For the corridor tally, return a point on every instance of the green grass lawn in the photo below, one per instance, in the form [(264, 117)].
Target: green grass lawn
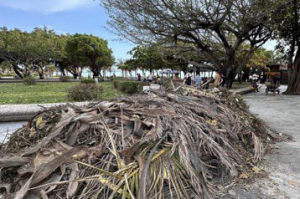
[(18, 93)]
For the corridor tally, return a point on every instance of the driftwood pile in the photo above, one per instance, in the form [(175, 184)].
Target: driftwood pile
[(143, 146)]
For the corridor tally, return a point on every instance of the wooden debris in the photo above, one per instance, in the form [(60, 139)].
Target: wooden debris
[(144, 146)]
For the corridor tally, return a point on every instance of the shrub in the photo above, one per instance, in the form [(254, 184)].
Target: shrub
[(87, 81), (64, 78), (116, 84), (29, 81), (129, 87), (85, 92)]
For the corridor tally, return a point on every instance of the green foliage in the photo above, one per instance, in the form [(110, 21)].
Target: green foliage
[(13, 44), (33, 50), (116, 81), (45, 44), (87, 81), (146, 57), (85, 92), (5, 65), (89, 50), (128, 86), (64, 78), (29, 81), (261, 58)]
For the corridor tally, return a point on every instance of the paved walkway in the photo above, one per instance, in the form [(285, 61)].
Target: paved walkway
[(7, 128), (280, 112)]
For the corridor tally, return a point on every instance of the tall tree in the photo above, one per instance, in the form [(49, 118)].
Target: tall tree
[(45, 47), (14, 49), (212, 28), (287, 25), (88, 50), (147, 57)]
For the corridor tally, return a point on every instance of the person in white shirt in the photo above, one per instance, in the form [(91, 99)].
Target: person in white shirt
[(150, 78)]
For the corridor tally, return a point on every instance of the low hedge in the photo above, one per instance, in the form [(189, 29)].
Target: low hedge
[(29, 81), (128, 86), (87, 81), (85, 92), (64, 78)]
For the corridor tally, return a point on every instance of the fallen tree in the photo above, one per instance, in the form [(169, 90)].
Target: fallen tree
[(192, 145)]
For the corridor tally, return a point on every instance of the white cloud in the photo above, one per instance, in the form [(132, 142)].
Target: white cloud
[(45, 6)]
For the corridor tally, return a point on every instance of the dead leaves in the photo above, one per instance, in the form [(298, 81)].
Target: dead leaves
[(256, 169), (40, 123), (139, 146), (244, 176)]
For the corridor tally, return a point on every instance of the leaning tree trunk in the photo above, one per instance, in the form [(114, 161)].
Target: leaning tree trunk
[(294, 82), (40, 71), (17, 70), (75, 75), (41, 75)]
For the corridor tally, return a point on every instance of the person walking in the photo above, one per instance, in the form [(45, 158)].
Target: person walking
[(198, 80), (188, 80), (218, 80), (150, 78)]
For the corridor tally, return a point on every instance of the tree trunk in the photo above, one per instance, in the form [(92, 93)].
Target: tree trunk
[(229, 74), (41, 75), (40, 71), (96, 73), (62, 70), (294, 82), (75, 75), (230, 79), (230, 70), (17, 70)]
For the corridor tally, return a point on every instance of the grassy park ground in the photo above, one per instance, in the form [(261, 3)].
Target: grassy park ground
[(18, 93)]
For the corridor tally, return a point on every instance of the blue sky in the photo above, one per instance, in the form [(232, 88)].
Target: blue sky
[(66, 16)]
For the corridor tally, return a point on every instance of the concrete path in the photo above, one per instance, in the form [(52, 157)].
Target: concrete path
[(241, 91), (280, 112), (7, 128)]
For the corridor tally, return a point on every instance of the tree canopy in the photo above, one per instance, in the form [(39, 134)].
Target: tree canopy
[(35, 51), (213, 30), (88, 50)]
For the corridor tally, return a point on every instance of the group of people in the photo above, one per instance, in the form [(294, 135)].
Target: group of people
[(189, 80), (196, 80), (149, 78)]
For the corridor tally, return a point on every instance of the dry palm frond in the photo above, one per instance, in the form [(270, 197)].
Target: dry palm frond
[(143, 146)]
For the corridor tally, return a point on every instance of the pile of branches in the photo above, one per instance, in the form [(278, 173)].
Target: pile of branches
[(143, 146)]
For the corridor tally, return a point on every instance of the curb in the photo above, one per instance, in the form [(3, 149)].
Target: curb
[(242, 91), (24, 112)]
